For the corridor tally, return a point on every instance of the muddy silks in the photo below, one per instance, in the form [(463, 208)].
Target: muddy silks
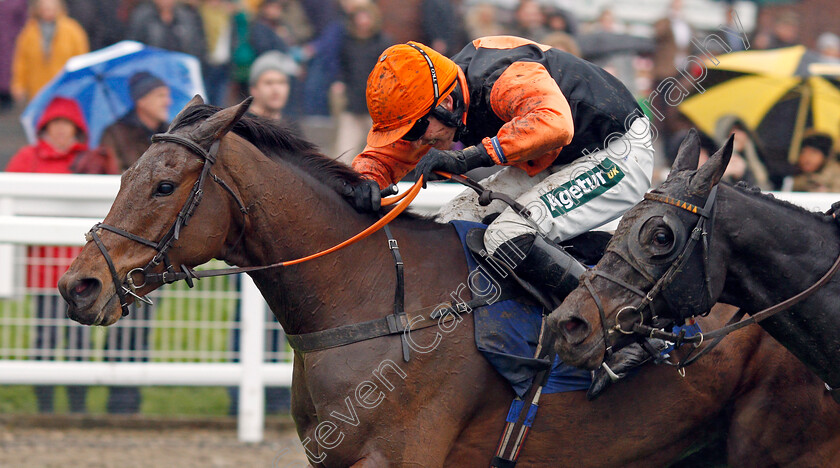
[(527, 103)]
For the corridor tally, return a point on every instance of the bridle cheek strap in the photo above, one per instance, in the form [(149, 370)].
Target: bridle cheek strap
[(646, 308), (128, 286)]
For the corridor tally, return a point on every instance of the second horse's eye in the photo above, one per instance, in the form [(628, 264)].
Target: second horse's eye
[(662, 238), (165, 188)]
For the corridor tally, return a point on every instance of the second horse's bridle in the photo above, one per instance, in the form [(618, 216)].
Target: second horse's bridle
[(646, 326), (646, 308)]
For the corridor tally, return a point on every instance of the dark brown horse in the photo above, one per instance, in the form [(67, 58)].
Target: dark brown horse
[(752, 251), (361, 404)]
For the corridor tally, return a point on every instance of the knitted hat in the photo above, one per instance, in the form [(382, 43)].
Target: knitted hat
[(819, 141), (142, 83), (272, 60)]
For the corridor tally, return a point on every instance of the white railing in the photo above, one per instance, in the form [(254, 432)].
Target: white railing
[(38, 209)]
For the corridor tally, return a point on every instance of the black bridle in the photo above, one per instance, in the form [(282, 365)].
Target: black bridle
[(650, 324), (128, 286), (646, 309)]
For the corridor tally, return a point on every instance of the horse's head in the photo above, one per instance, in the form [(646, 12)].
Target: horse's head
[(145, 235), (657, 266)]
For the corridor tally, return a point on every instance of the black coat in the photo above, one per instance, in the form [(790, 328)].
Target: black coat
[(356, 59)]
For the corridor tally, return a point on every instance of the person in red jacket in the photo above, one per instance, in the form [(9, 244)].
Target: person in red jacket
[(575, 145), (62, 136)]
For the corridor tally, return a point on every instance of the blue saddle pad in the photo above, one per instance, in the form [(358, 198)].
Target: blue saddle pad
[(507, 332)]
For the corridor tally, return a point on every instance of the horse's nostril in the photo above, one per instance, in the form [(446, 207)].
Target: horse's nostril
[(574, 330), (572, 324), (84, 292)]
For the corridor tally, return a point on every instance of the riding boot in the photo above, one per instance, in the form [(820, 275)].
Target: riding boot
[(546, 270)]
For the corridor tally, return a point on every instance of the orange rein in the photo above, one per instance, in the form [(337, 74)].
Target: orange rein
[(404, 200)]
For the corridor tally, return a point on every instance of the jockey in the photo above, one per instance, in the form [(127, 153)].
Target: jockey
[(575, 146)]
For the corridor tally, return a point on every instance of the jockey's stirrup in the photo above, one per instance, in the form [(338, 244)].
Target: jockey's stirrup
[(544, 265)]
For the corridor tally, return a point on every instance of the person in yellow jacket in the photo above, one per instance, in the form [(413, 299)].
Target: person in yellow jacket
[(47, 41)]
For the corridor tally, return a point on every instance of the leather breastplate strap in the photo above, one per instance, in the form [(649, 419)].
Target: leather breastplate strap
[(399, 291), (389, 325)]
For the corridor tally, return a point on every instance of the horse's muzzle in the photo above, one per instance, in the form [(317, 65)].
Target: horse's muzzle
[(571, 328), (81, 294)]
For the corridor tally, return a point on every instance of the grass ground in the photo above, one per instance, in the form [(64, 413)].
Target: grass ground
[(158, 401)]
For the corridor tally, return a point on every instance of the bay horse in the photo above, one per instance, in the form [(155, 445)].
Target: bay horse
[(272, 196)]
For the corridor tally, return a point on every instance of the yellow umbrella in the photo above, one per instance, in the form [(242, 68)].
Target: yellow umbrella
[(752, 85)]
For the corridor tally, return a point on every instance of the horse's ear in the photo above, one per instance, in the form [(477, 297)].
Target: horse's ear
[(195, 101), (710, 173), (689, 153), (218, 124)]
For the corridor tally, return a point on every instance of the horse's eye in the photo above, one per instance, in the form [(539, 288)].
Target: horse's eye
[(165, 188), (663, 238)]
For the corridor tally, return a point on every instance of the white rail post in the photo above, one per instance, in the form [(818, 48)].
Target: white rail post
[(7, 256), (251, 345)]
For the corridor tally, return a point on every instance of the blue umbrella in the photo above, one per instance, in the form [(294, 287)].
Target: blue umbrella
[(99, 82)]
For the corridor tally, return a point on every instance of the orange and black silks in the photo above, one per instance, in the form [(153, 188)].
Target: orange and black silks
[(527, 103)]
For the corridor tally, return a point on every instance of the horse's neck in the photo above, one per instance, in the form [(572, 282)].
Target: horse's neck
[(291, 215), (774, 252)]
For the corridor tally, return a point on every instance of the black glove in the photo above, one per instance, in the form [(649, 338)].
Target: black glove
[(620, 363), (455, 162), (365, 197)]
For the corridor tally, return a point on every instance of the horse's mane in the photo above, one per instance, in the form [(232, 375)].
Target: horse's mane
[(756, 192), (279, 142)]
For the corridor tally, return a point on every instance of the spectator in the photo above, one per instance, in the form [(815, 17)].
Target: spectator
[(732, 24), (360, 50), (242, 53), (47, 41), (828, 45), (607, 23), (562, 41), (168, 24), (321, 55), (269, 81), (129, 137), (62, 133), (745, 163), (99, 20), (560, 20), (217, 17), (672, 37), (530, 21), (12, 19), (819, 170), (442, 26), (269, 31), (482, 19), (265, 30), (785, 31)]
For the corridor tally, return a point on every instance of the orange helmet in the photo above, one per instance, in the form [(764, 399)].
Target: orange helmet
[(407, 82)]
